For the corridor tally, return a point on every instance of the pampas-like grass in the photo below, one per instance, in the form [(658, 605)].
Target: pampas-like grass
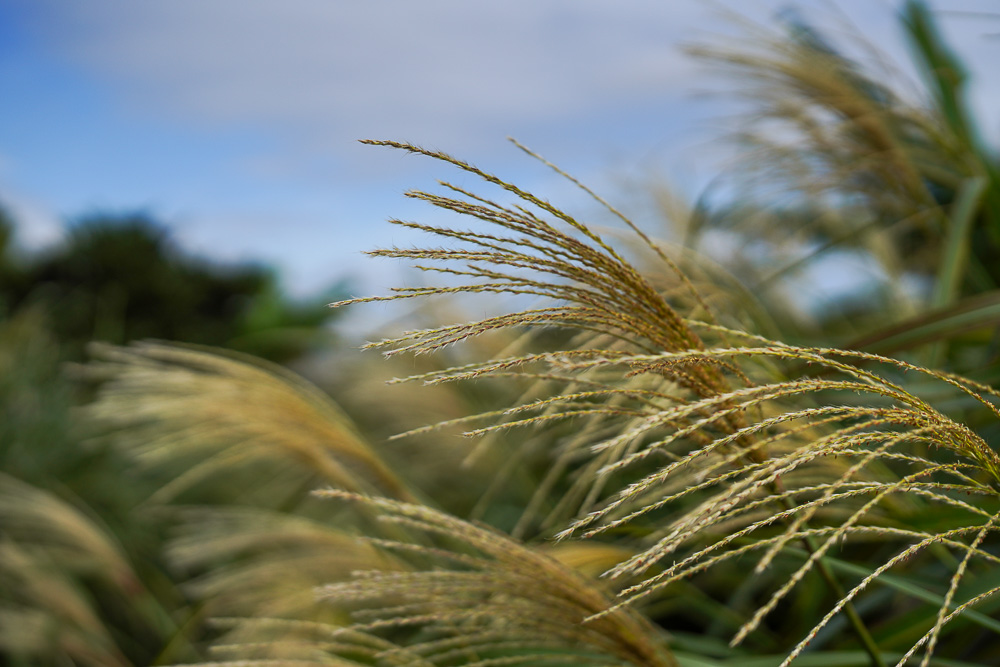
[(215, 412), (679, 446), (767, 445), (483, 599), (47, 550)]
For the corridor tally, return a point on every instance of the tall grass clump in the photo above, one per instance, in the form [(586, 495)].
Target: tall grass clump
[(703, 446), (699, 493), (710, 496)]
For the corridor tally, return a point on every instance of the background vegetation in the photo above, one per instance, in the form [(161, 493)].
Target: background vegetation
[(758, 476)]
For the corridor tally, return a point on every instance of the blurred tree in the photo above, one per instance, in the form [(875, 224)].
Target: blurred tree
[(9, 273), (118, 278)]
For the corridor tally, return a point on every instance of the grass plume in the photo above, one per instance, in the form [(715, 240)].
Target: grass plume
[(767, 445), (214, 411)]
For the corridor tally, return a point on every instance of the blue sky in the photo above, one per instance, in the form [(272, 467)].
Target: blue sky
[(234, 121)]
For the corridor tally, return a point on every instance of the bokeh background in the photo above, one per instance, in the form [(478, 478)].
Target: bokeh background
[(234, 123), (189, 171)]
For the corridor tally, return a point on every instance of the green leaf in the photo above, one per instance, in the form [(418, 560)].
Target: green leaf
[(904, 585), (942, 324)]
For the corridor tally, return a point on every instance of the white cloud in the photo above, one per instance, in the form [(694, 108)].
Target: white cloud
[(36, 226), (320, 73), (328, 72), (573, 78)]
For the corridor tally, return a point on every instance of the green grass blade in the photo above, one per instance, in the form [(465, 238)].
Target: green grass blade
[(902, 585), (956, 249), (834, 659), (941, 324)]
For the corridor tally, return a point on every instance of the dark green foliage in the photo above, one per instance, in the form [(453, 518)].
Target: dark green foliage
[(121, 278)]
